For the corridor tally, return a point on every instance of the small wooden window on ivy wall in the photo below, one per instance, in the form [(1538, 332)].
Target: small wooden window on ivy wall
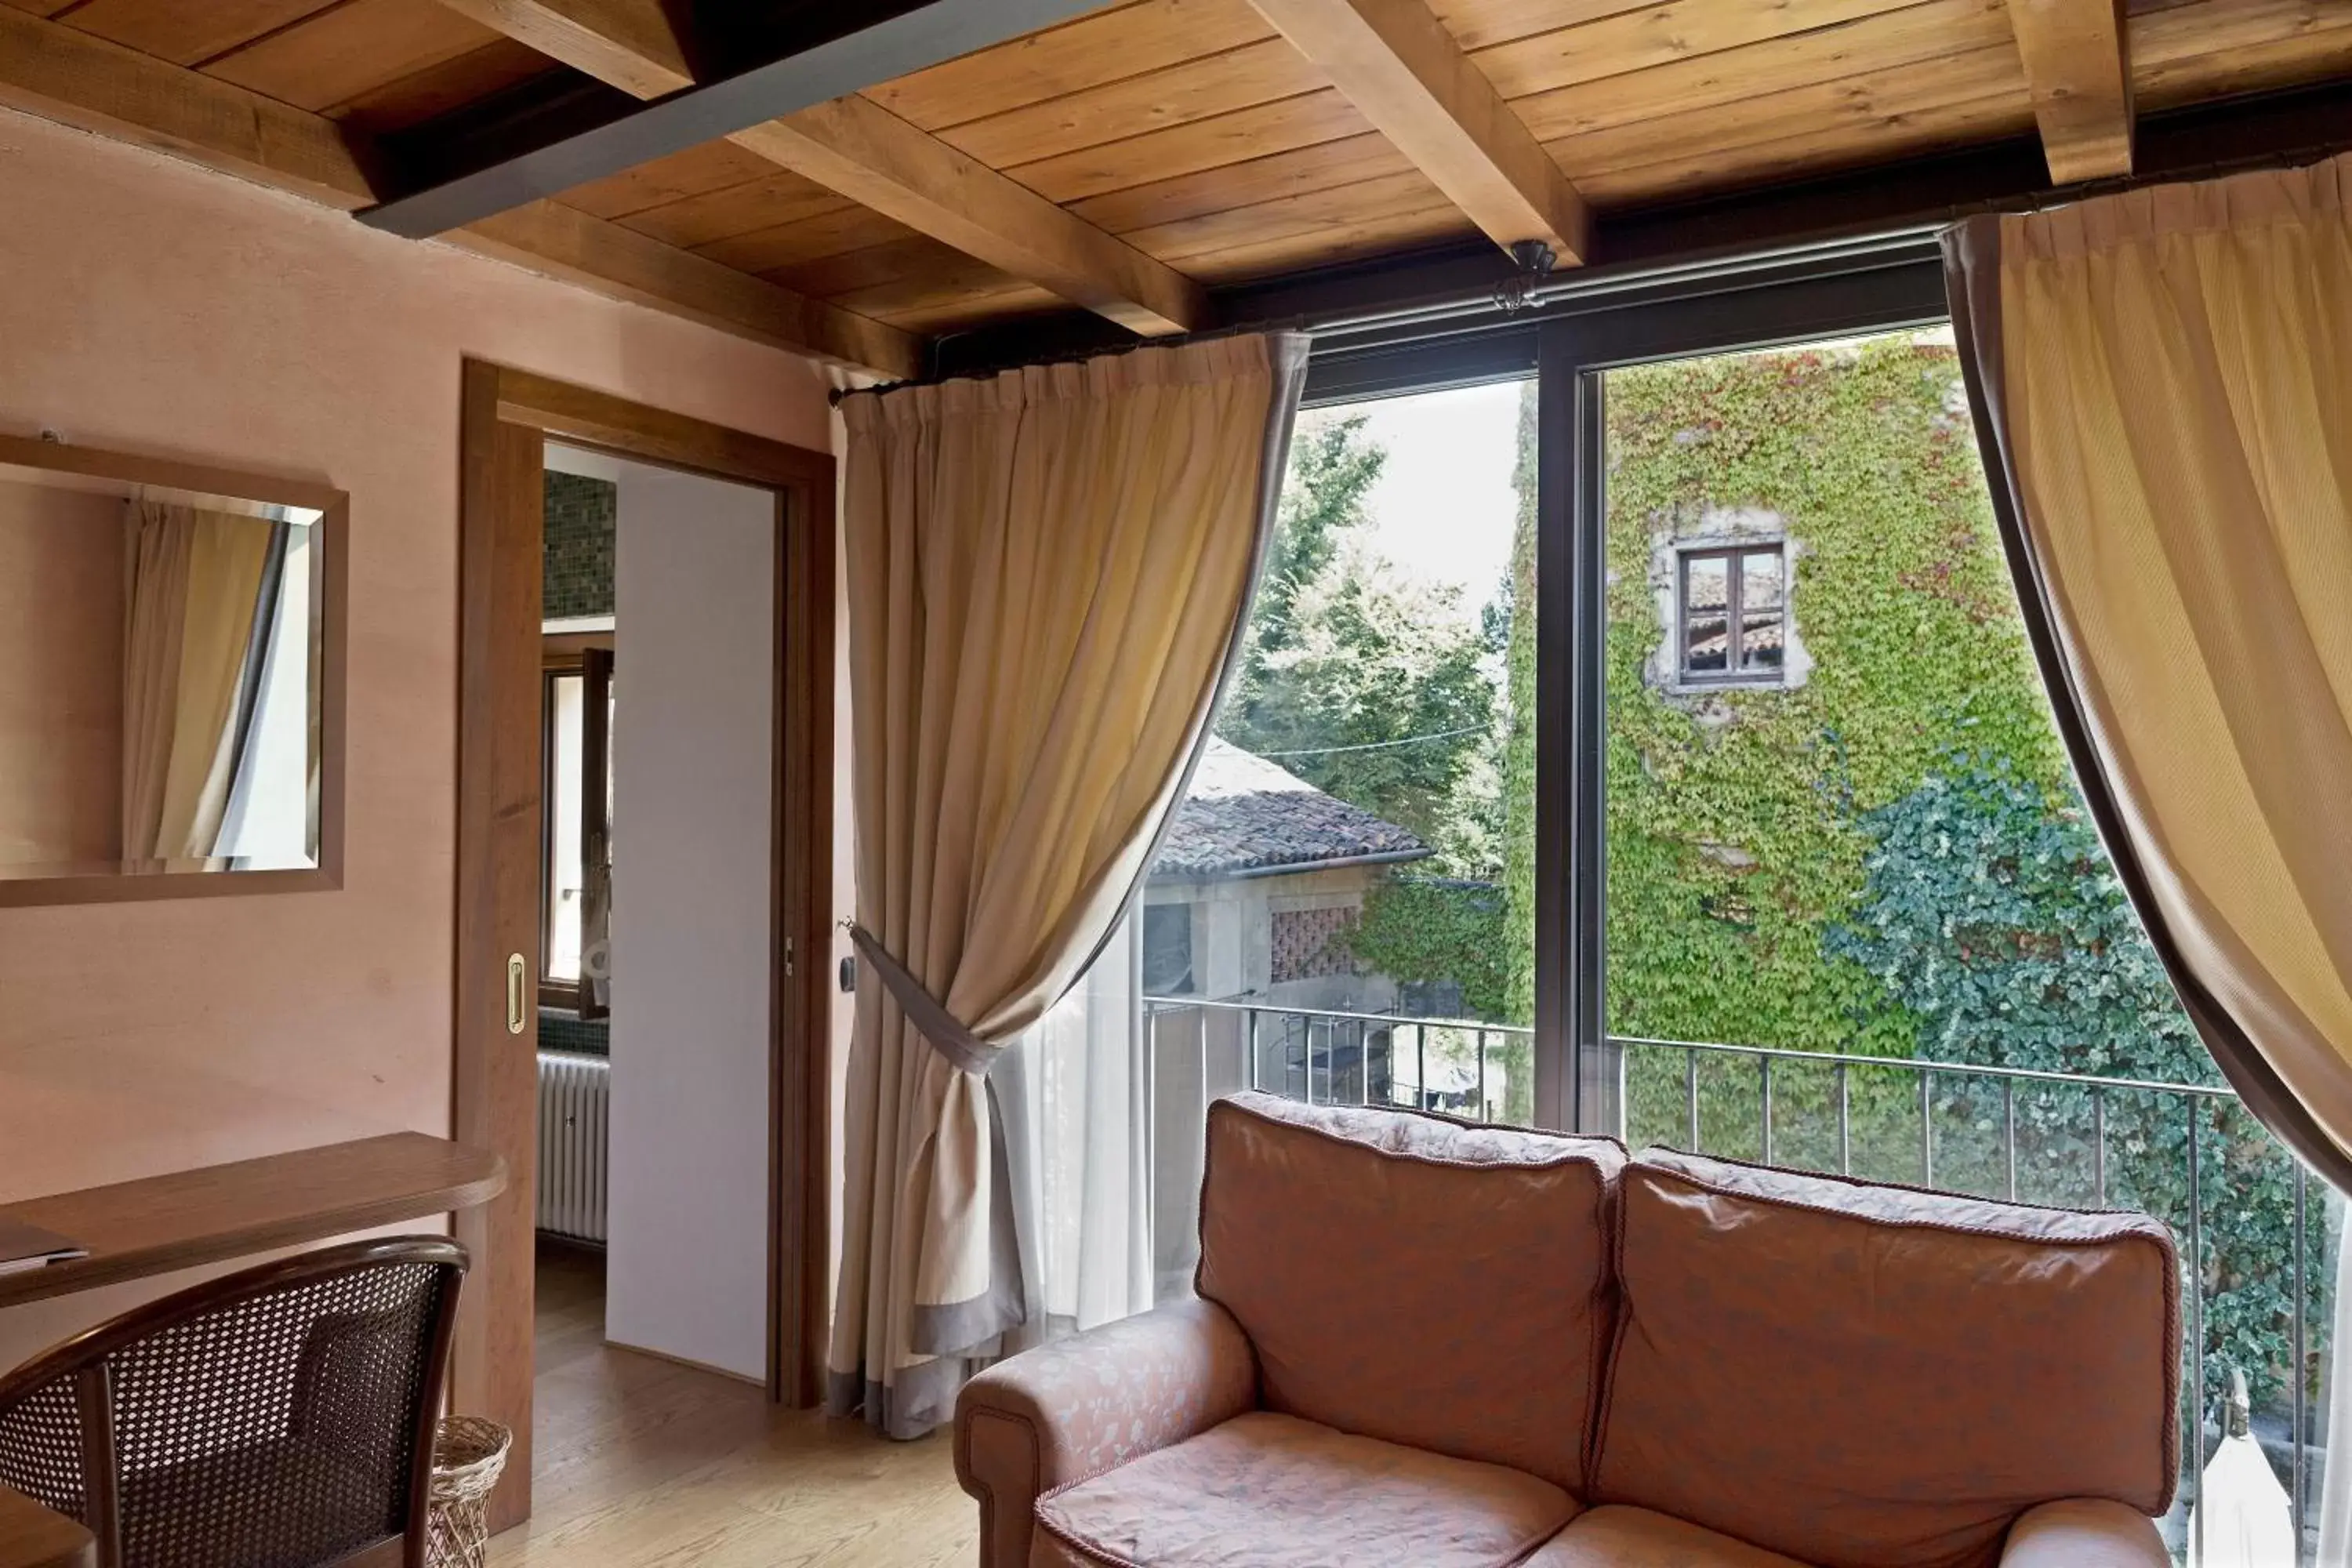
[(1733, 620)]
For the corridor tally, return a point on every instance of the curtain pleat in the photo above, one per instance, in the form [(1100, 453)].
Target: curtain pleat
[(2163, 383), (196, 604), (1047, 573)]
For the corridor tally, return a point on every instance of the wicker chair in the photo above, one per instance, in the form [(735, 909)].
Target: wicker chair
[(277, 1417)]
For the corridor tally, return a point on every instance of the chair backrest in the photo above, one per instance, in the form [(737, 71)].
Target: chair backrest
[(1408, 1277), (283, 1415), (1859, 1375)]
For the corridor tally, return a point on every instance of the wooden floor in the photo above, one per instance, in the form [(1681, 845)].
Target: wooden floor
[(643, 1462)]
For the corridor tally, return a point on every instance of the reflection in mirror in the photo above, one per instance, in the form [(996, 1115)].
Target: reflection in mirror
[(160, 692)]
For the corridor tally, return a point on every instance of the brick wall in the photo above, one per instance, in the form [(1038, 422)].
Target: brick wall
[(579, 571), (1302, 948)]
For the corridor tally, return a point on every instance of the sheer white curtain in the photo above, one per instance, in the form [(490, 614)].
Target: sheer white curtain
[(1076, 1100)]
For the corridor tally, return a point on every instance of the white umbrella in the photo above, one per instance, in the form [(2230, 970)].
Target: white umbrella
[(2243, 1518)]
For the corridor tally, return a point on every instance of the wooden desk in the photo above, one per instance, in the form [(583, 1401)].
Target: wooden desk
[(218, 1212), (33, 1537)]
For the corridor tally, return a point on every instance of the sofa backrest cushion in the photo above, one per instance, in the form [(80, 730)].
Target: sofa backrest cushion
[(1866, 1376), (1415, 1278)]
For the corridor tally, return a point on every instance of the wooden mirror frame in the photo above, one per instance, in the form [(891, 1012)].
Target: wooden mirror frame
[(333, 507)]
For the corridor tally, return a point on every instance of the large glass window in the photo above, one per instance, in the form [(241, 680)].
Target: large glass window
[(1857, 918)]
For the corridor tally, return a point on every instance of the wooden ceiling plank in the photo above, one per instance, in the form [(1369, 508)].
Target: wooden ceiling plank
[(1300, 172), (2315, 56), (1112, 45), (436, 89), (1482, 24), (862, 150), (1931, 30), (341, 54), (1132, 105), (1846, 112), (1196, 148), (188, 35), (1654, 35), (2079, 65), (1924, 129), (51, 70), (1288, 215), (777, 197), (697, 170), (1397, 63), (768, 251)]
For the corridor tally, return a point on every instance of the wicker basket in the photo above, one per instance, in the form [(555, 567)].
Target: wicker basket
[(469, 1454)]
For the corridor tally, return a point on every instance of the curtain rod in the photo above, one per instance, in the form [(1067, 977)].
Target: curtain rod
[(1174, 341)]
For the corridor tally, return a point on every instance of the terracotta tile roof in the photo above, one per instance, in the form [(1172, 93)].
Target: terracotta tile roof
[(1245, 814)]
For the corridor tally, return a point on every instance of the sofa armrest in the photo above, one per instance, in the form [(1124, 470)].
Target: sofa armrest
[(1079, 1406), (2084, 1532)]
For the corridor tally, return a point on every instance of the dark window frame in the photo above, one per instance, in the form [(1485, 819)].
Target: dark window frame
[(1726, 304), (1736, 673)]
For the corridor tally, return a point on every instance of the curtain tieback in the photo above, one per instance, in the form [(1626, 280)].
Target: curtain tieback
[(961, 1048)]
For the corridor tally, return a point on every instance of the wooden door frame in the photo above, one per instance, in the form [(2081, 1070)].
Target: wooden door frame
[(508, 417)]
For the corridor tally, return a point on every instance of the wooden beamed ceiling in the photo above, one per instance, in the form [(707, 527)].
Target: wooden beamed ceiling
[(860, 150), (1136, 158), (66, 74)]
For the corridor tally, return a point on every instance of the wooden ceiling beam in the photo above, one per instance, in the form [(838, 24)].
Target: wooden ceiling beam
[(858, 149), (2077, 57), (1395, 61), (56, 73)]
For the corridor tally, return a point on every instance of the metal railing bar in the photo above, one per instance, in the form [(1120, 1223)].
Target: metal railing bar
[(1845, 1122), (2196, 1337), (1927, 1132), (2099, 1145), (1764, 1105), (2298, 1370), (1252, 1025), (1690, 1091), (1482, 1075), (2008, 1132), (1922, 1065)]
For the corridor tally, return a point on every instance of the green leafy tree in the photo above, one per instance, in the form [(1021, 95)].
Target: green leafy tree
[(1362, 680)]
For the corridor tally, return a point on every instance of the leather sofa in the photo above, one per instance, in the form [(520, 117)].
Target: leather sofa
[(1427, 1344)]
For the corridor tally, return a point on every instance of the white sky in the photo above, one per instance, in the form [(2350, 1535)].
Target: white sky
[(1443, 507)]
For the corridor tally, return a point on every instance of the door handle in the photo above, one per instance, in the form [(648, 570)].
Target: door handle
[(515, 994)]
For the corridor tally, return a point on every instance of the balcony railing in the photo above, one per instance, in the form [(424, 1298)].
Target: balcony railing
[(2178, 1151)]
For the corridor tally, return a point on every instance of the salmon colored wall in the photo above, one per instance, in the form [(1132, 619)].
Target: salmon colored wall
[(60, 675), (155, 308)]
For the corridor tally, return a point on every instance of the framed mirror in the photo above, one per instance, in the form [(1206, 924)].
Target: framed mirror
[(171, 678)]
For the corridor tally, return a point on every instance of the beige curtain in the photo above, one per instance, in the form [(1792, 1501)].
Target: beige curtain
[(2163, 390), (192, 615), (1047, 572)]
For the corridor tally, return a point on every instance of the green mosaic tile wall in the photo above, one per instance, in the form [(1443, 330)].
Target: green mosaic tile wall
[(579, 570)]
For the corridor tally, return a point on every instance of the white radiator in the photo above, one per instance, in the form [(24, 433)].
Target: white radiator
[(575, 1100)]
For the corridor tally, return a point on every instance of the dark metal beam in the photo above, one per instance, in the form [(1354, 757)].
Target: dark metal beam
[(1433, 292), (454, 171)]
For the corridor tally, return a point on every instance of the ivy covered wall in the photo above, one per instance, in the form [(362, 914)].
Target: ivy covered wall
[(1733, 838)]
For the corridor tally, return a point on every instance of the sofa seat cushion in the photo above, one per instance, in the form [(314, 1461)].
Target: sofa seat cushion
[(1416, 1279), (1264, 1490), (1619, 1537)]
